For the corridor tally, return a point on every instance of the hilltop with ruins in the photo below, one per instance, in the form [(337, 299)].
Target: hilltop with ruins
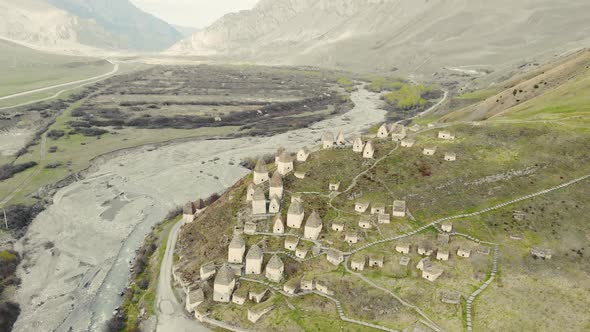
[(372, 231)]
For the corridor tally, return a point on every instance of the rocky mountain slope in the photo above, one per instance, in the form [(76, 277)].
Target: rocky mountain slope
[(415, 36), (77, 25)]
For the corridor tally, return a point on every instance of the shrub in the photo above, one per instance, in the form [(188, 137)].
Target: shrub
[(408, 97), (20, 216), (8, 314), (53, 165), (55, 134), (7, 171)]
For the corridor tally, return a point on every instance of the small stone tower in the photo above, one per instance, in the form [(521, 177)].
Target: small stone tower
[(260, 173), (313, 226), (276, 185), (254, 260), (275, 269), (236, 250), (224, 284), (295, 214)]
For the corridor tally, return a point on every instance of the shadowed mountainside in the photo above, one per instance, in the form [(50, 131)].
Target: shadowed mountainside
[(413, 36)]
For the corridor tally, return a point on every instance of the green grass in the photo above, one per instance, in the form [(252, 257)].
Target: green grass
[(23, 69), (7, 256), (146, 299), (569, 104), (478, 95)]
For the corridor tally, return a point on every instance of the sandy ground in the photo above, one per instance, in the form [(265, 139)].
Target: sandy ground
[(11, 140), (95, 225)]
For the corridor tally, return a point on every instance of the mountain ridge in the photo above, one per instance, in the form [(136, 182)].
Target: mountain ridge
[(84, 25), (420, 36)]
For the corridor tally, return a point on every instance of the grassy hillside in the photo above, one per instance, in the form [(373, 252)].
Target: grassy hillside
[(496, 162), (558, 89), (23, 69)]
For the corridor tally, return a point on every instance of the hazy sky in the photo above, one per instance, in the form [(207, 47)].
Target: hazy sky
[(195, 13)]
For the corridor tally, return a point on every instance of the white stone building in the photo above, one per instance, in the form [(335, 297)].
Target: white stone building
[(464, 252), (260, 173), (358, 263), (368, 151), (224, 284), (447, 226), (295, 214), (193, 299), (328, 140), (250, 228), (207, 271), (424, 263), (376, 261), (425, 249), (250, 192), (429, 151), (351, 237), (402, 248), (236, 250), (188, 212), (254, 260), (383, 132), (276, 185), (278, 226), (398, 132), (291, 243), (335, 257), (408, 143), (384, 218), (361, 207), (303, 154), (399, 208), (338, 226), (365, 222), (280, 151), (275, 205), (292, 286), (432, 273), (358, 145), (285, 163), (259, 202), (340, 140), (334, 186), (377, 208), (275, 269), (442, 255), (307, 283), (446, 135), (313, 226), (450, 156), (301, 252)]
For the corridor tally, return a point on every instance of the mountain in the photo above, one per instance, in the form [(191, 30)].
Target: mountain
[(412, 35), (80, 24), (185, 31)]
